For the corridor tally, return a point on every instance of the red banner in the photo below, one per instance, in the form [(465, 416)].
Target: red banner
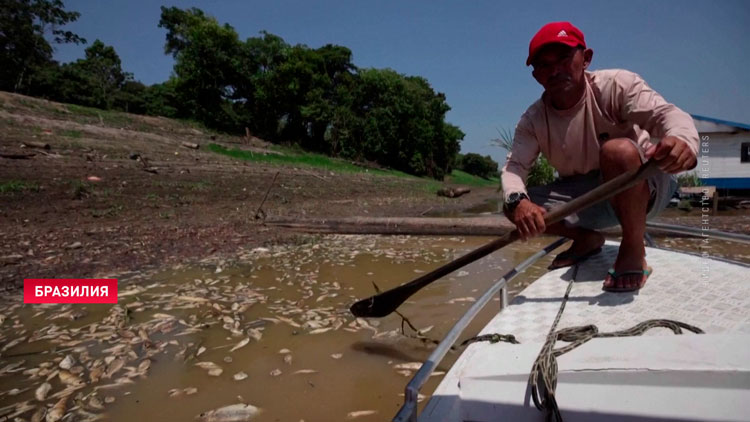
[(70, 290)]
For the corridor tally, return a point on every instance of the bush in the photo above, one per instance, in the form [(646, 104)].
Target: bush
[(482, 166), (541, 174)]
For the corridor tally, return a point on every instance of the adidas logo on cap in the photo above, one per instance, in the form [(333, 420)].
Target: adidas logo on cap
[(562, 34)]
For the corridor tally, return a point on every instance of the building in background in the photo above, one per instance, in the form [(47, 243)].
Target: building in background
[(724, 155)]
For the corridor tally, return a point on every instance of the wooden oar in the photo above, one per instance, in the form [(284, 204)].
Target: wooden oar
[(384, 303)]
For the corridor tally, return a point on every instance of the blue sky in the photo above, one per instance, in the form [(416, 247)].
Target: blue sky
[(695, 53)]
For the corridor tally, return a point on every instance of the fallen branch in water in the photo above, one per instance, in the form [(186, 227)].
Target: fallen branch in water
[(475, 226)]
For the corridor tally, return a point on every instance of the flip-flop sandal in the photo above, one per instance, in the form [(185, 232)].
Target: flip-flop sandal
[(615, 275), (570, 255)]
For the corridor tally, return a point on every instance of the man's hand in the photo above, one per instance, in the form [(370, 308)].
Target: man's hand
[(672, 155), (529, 219)]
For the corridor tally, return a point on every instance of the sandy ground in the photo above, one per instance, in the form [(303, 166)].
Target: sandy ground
[(198, 203)]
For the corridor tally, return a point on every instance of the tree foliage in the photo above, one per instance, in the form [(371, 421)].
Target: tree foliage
[(478, 165), (24, 50), (314, 98)]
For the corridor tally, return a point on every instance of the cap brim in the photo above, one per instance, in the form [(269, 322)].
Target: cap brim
[(569, 43)]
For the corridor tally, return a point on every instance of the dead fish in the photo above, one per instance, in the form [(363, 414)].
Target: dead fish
[(192, 299), (113, 367), (200, 351), (70, 379), (96, 373), (337, 355), (214, 370), (305, 371), (360, 413), (175, 392), (95, 403), (232, 413), (239, 345), (38, 415), (12, 343), (42, 390), (254, 333), (58, 410), (289, 321), (413, 366), (239, 376), (284, 351), (109, 400), (461, 299), (124, 380), (275, 372), (320, 330), (144, 365), (190, 390), (16, 391), (288, 359)]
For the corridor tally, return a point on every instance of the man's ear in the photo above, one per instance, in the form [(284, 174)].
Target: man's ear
[(588, 54)]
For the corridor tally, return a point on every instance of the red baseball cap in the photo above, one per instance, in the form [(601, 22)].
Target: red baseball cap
[(555, 32)]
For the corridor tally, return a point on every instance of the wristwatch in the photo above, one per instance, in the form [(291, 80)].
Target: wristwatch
[(514, 199)]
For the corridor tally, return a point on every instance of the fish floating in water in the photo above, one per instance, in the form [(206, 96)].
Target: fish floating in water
[(231, 413)]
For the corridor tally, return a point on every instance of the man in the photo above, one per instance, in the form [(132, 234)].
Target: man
[(592, 127)]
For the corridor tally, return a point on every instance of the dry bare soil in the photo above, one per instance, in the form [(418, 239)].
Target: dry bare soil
[(84, 208)]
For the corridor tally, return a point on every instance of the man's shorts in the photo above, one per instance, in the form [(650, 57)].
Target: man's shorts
[(601, 215)]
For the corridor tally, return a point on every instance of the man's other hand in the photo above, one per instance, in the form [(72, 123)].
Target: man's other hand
[(529, 219), (672, 155)]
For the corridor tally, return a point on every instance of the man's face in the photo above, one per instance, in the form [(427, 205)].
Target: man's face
[(559, 68)]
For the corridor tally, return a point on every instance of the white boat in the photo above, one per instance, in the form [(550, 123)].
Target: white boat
[(657, 376)]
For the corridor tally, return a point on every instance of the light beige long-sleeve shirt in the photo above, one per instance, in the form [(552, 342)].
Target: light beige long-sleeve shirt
[(616, 104)]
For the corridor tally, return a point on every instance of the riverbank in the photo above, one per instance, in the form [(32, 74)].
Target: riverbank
[(117, 192)]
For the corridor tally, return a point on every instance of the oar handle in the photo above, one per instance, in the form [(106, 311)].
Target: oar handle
[(386, 302)]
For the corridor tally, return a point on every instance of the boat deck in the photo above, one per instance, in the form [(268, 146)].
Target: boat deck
[(710, 294)]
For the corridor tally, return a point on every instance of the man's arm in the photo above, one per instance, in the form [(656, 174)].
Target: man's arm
[(678, 149), (520, 159), (527, 216)]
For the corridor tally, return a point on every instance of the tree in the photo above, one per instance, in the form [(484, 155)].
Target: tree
[(207, 56), (24, 51), (313, 98), (103, 71), (482, 166)]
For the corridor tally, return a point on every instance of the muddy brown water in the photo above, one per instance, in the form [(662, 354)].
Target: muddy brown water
[(284, 309), (295, 298)]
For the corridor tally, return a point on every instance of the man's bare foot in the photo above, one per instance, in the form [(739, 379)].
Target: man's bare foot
[(588, 244), (629, 267)]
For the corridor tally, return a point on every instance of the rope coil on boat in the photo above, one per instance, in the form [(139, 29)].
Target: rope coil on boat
[(543, 376)]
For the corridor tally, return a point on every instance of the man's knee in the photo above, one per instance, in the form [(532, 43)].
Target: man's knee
[(619, 151)]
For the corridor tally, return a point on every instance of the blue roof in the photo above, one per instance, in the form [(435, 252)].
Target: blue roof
[(721, 122)]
